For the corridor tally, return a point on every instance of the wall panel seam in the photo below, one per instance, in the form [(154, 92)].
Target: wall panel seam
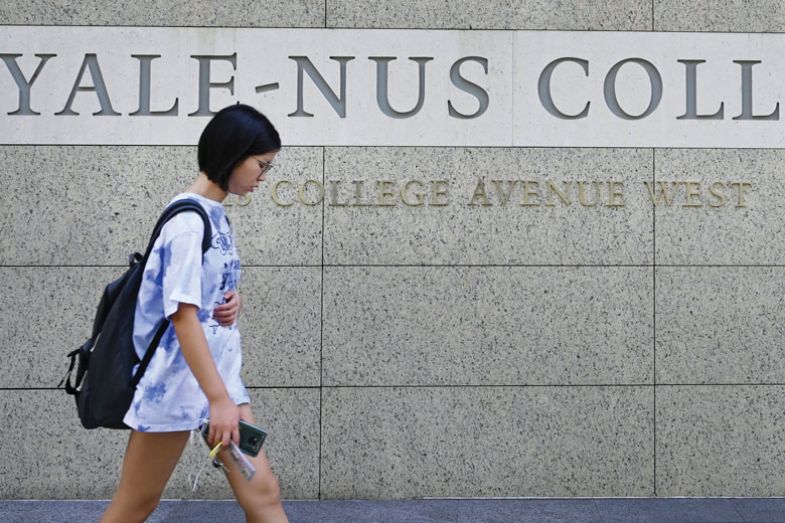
[(444, 266), (652, 28), (315, 146), (654, 309), (548, 385), (462, 386), (321, 322)]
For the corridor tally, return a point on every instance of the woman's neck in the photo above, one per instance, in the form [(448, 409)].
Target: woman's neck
[(207, 188)]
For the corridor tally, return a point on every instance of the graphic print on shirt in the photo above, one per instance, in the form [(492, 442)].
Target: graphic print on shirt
[(229, 282), (223, 241), (231, 275)]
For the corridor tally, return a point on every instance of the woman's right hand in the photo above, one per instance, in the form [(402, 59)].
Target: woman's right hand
[(224, 422)]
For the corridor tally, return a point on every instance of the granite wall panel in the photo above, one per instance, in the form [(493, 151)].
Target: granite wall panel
[(746, 16), (587, 15), (50, 455), (729, 214), (720, 325), (430, 350), (85, 205), (487, 325), (48, 311), (281, 325), (715, 441), (231, 13), (487, 206), (487, 441)]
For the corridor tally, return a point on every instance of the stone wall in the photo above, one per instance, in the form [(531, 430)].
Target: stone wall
[(394, 354)]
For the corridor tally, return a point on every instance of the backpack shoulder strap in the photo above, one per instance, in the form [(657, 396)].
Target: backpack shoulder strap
[(177, 207)]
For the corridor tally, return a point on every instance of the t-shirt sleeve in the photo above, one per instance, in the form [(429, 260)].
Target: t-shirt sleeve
[(182, 261)]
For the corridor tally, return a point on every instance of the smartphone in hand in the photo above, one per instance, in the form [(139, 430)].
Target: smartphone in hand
[(251, 437)]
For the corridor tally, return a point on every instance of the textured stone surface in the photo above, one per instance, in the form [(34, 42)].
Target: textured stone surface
[(728, 234), (747, 16), (267, 234), (720, 324), (497, 233), (487, 441), (441, 326), (65, 205), (720, 441), (46, 313), (238, 13), (49, 454), (279, 322), (614, 15), (487, 326)]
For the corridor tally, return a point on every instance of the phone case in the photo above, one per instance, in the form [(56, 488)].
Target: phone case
[(251, 437)]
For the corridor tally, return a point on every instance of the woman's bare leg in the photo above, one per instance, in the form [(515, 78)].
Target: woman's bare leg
[(260, 498), (149, 461)]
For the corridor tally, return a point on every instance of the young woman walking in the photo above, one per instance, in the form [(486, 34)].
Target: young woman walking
[(195, 371)]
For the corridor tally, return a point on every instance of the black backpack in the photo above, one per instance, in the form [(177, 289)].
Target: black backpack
[(107, 358)]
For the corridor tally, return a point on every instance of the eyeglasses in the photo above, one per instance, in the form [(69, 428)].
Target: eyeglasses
[(265, 166)]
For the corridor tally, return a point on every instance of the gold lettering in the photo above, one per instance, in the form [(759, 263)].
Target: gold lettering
[(741, 186), (582, 194), (534, 193), (479, 193), (358, 193), (438, 190), (504, 196), (385, 190), (530, 188), (304, 186), (692, 190), (334, 195), (244, 200), (714, 192), (419, 195), (664, 193), (562, 195), (274, 193), (613, 194)]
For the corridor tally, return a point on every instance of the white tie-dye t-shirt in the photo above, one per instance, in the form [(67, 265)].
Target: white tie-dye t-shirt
[(168, 397)]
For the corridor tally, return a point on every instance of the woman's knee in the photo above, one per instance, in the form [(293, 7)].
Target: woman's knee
[(269, 488), (264, 494)]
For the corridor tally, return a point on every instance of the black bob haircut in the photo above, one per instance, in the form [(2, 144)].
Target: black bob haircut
[(232, 135)]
